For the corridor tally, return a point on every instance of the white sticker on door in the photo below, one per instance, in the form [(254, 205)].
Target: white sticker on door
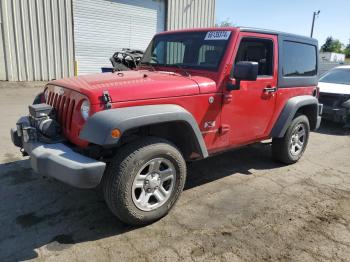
[(217, 35)]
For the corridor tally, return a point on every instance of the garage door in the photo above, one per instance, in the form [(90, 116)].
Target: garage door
[(102, 27)]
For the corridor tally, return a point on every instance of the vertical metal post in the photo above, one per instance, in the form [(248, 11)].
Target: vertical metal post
[(313, 22)]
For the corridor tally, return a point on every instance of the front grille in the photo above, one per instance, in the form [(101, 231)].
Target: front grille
[(64, 107), (332, 100)]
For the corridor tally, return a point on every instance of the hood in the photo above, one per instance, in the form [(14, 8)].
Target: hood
[(334, 88), (135, 85)]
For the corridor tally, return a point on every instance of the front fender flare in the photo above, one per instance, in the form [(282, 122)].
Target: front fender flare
[(98, 127)]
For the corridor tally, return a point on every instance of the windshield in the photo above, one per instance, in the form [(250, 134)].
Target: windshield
[(197, 50), (337, 76)]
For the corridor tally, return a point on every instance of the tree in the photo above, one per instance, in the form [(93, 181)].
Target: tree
[(332, 45), (226, 23), (347, 51)]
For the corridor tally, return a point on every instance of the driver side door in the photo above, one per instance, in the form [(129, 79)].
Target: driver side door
[(247, 112)]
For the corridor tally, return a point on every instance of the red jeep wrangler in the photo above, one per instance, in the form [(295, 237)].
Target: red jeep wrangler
[(196, 93)]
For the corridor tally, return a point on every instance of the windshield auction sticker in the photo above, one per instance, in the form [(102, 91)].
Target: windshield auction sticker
[(217, 35)]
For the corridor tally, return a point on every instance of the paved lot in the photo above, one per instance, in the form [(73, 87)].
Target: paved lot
[(238, 206)]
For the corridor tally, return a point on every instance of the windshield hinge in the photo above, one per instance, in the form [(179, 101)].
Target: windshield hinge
[(106, 99)]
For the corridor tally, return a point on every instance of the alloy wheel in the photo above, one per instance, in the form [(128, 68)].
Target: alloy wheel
[(153, 184), (297, 141)]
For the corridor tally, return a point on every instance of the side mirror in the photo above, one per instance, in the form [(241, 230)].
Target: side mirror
[(244, 70)]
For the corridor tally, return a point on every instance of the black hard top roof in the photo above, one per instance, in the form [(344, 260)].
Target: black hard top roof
[(272, 32)]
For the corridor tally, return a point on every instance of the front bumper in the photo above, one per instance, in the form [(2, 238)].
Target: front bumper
[(61, 162), (335, 114)]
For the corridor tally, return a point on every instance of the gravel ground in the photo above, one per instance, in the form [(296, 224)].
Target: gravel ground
[(237, 206)]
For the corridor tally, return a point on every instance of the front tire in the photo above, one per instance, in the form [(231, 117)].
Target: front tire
[(290, 148), (144, 181)]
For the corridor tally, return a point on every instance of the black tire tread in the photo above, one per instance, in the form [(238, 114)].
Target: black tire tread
[(115, 176), (280, 146)]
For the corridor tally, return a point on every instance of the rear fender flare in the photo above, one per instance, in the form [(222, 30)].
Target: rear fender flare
[(289, 111)]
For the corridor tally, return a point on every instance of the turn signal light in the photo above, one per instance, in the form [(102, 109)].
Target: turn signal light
[(116, 133)]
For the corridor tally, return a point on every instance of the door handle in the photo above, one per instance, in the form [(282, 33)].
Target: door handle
[(270, 89)]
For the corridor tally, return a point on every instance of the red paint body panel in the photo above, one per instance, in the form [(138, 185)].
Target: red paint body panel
[(201, 110), (249, 113), (131, 85), (239, 117)]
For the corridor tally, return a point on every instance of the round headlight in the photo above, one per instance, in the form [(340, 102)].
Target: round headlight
[(85, 109)]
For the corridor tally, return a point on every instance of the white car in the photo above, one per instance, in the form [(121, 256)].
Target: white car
[(335, 95)]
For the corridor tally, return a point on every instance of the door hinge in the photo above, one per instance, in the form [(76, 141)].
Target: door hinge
[(106, 99), (227, 98), (224, 129)]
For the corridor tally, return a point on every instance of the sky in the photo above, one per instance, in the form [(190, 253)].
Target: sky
[(292, 16)]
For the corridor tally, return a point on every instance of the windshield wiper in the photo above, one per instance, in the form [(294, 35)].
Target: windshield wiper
[(182, 69)]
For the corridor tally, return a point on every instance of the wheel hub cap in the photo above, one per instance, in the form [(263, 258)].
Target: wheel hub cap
[(295, 139), (152, 182)]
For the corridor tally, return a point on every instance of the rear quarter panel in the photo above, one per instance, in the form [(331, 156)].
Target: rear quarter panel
[(283, 95)]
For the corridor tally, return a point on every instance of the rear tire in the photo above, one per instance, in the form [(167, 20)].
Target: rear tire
[(290, 148), (144, 181)]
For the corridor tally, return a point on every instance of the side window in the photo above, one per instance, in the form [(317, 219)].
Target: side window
[(257, 50), (299, 59)]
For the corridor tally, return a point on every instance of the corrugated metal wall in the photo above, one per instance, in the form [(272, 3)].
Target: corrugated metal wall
[(183, 14), (2, 52), (102, 27), (37, 38)]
